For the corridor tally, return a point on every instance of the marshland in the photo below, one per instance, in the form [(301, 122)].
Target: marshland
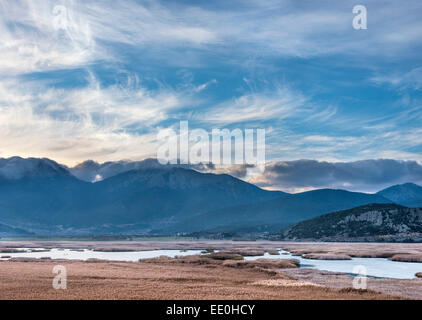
[(210, 270)]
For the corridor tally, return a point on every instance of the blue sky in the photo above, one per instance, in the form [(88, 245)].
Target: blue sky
[(97, 80)]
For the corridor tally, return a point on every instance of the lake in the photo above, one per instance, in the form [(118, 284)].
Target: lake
[(375, 267), (86, 254)]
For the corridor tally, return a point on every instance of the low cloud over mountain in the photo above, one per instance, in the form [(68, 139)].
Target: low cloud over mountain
[(364, 175), (92, 171), (291, 176), (41, 196)]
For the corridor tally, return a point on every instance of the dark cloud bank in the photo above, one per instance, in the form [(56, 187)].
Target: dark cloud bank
[(363, 175), (290, 176)]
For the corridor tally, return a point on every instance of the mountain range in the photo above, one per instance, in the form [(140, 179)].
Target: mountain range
[(42, 197)]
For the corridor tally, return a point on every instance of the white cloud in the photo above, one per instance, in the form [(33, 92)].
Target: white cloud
[(256, 106), (365, 175), (49, 35), (205, 85), (106, 122), (91, 122), (411, 79), (33, 38)]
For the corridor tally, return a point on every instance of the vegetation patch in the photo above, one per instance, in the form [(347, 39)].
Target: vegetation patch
[(263, 263), (208, 250), (317, 256), (11, 250), (223, 255), (285, 283), (407, 257), (115, 249), (248, 252)]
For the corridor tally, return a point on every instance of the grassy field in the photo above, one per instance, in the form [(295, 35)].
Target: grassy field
[(222, 275), (160, 279)]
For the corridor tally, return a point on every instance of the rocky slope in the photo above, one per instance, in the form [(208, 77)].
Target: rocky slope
[(370, 221)]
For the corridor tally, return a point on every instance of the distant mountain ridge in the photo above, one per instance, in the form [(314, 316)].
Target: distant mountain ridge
[(408, 194), (43, 197), (374, 220), (16, 168), (170, 194), (92, 171), (284, 210)]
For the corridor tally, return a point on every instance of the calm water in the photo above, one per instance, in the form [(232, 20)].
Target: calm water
[(375, 267), (112, 256)]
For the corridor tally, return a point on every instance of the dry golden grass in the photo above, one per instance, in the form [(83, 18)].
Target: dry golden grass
[(285, 283), (118, 249), (248, 252), (405, 288), (407, 257), (197, 277), (267, 266), (262, 263), (10, 250), (213, 258), (156, 279), (326, 256), (375, 250), (362, 250), (225, 255)]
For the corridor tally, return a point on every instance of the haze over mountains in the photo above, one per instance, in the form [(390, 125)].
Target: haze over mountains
[(42, 197)]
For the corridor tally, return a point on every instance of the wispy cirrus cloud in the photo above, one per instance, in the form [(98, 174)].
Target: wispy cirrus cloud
[(90, 122), (256, 106), (411, 79), (44, 36), (50, 34), (307, 74)]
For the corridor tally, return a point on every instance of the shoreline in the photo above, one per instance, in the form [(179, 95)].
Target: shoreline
[(352, 249)]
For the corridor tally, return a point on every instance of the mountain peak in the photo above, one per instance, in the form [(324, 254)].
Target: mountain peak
[(16, 168), (408, 194), (410, 185), (87, 164), (92, 171)]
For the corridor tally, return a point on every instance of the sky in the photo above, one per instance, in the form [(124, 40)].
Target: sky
[(99, 79)]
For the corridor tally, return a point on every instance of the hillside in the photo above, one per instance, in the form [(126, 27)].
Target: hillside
[(282, 211), (162, 197), (374, 220), (42, 196), (408, 194)]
